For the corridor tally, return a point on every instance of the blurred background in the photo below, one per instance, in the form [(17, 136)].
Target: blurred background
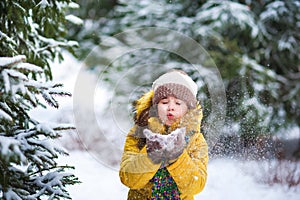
[(253, 48), (254, 45)]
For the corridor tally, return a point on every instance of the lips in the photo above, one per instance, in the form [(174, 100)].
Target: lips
[(170, 116)]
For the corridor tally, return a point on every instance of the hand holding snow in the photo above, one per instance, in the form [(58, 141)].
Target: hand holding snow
[(154, 146), (168, 147), (175, 144)]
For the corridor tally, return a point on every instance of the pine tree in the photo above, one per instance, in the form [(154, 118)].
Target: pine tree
[(31, 35)]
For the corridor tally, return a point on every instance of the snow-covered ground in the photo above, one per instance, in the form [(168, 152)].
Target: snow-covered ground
[(227, 178)]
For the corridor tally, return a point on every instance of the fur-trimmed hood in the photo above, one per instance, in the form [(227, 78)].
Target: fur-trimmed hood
[(142, 108)]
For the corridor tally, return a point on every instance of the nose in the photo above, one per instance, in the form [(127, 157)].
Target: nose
[(170, 106)]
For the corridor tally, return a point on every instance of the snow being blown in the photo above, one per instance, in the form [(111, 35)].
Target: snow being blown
[(167, 142)]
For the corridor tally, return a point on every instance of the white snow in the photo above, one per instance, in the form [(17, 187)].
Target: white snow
[(221, 11), (16, 74), (167, 142), (227, 180), (10, 194), (73, 5), (98, 181), (4, 115), (29, 67), (9, 145), (74, 19), (3, 35), (43, 3), (4, 61)]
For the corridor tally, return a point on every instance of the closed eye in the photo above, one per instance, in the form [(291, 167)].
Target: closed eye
[(178, 103), (164, 101)]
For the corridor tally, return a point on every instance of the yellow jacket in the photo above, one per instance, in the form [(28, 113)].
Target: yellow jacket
[(189, 171)]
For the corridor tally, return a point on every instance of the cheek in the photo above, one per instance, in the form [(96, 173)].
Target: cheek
[(162, 112), (181, 111), (161, 109)]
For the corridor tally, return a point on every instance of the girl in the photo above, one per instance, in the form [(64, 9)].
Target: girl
[(165, 155)]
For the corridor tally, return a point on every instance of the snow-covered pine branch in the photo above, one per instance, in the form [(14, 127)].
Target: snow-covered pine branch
[(9, 61), (33, 30), (14, 73), (27, 147), (220, 14)]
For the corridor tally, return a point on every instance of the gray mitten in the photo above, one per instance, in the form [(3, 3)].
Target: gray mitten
[(175, 144), (154, 146)]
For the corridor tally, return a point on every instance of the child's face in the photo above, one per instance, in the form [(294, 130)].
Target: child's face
[(170, 109)]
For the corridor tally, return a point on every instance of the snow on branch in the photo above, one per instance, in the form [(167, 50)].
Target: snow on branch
[(10, 149), (28, 150), (221, 13), (4, 115), (28, 67), (3, 35), (43, 3), (10, 61), (54, 43), (17, 82), (10, 194), (37, 145), (53, 183), (75, 20), (16, 74)]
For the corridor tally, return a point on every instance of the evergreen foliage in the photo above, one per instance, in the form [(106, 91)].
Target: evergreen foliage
[(32, 35), (36, 29)]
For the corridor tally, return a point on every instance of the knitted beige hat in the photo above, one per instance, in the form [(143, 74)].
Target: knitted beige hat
[(178, 84)]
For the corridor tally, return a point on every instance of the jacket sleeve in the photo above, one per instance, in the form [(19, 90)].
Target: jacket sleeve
[(136, 168), (190, 169)]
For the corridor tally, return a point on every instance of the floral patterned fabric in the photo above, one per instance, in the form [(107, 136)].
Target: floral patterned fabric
[(164, 186)]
